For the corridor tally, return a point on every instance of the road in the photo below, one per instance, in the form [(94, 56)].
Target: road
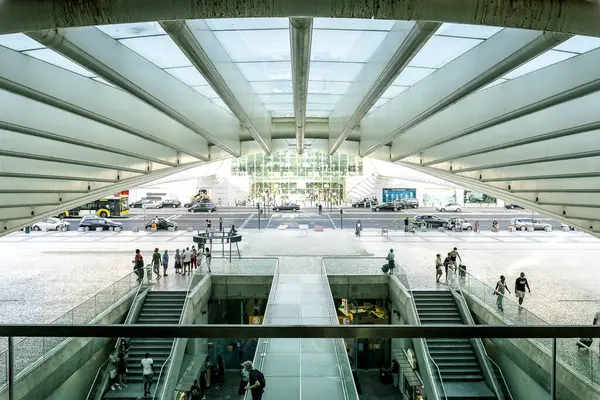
[(248, 218)]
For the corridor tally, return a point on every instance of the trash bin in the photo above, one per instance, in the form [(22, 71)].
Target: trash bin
[(27, 229)]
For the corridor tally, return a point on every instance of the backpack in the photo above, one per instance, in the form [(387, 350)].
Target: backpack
[(140, 263), (261, 379)]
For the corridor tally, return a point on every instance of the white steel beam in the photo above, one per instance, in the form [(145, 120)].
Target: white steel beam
[(55, 86), (475, 69), (300, 44), (32, 118), (512, 100), (206, 53), (400, 45), (123, 67), (20, 215), (579, 17), (583, 217)]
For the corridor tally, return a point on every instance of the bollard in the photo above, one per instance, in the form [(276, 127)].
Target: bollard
[(190, 229), (81, 229), (118, 229), (171, 229), (136, 229), (530, 229), (111, 228), (99, 229), (566, 229), (441, 229), (153, 229)]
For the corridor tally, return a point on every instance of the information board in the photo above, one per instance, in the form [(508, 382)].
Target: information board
[(393, 194)]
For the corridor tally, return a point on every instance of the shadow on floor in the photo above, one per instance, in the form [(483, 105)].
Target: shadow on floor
[(373, 389)]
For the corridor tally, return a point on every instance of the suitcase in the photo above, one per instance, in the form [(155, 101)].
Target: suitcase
[(385, 269), (584, 343)]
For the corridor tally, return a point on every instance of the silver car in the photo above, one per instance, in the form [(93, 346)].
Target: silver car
[(524, 223)]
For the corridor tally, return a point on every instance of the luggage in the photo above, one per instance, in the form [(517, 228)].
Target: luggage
[(462, 271), (385, 269), (584, 343)]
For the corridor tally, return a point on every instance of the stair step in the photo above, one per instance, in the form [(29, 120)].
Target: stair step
[(449, 346), (462, 378), (445, 364)]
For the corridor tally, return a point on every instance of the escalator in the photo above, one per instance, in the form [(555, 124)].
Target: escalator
[(461, 364), (159, 307)]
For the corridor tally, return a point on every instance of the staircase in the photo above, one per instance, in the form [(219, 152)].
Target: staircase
[(459, 369), (363, 188), (160, 307)]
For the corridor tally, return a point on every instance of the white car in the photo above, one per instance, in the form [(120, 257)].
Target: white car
[(459, 224), (449, 207), (51, 224), (153, 203)]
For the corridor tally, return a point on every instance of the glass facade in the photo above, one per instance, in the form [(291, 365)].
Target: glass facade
[(288, 176)]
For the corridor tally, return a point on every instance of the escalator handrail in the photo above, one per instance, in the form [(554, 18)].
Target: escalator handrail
[(181, 318), (418, 321), (127, 321)]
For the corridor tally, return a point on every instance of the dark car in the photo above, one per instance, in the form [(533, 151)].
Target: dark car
[(366, 202), (202, 207), (197, 201), (161, 224), (389, 206), (136, 204), (432, 220), (170, 203), (287, 207), (512, 206), (409, 203), (92, 222)]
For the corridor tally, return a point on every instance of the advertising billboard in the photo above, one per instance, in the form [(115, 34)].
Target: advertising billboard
[(393, 194)]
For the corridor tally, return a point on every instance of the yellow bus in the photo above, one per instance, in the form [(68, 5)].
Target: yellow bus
[(113, 206)]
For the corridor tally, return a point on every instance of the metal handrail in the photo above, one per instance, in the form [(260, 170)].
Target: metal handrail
[(502, 375), (181, 319), (426, 347), (127, 321)]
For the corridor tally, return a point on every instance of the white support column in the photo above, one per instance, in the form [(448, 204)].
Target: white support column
[(206, 53), (512, 100), (300, 43), (478, 67), (123, 67), (394, 53), (58, 87)]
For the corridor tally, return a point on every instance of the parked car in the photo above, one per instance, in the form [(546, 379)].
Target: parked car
[(150, 203), (92, 222), (570, 227), (136, 204), (431, 220), (170, 203), (51, 224), (161, 224), (192, 203), (512, 206), (524, 223), (202, 207), (409, 203), (449, 207), (366, 202), (458, 224), (287, 207), (389, 206)]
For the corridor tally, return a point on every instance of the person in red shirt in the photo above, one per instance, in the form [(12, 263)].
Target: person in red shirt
[(138, 264)]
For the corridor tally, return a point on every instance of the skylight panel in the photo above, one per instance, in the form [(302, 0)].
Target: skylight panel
[(142, 29), (19, 42), (266, 71), (468, 31), (272, 87), (52, 57), (259, 45), (236, 24), (207, 91), (282, 114), (579, 44), (276, 98), (159, 50), (548, 58), (393, 91), (440, 50), (345, 46), (323, 98), (411, 76), (325, 87), (188, 75), (329, 71)]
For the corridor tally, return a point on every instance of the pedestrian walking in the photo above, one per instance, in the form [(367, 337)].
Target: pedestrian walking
[(165, 262), (499, 292), (206, 226), (406, 224), (209, 222), (208, 257), (520, 285), (320, 209), (124, 349), (438, 267), (220, 371), (447, 264), (147, 373), (391, 262), (245, 378), (122, 369), (194, 258), (453, 255), (187, 260), (195, 391), (256, 383), (358, 228), (156, 260), (178, 260), (112, 372), (138, 265)]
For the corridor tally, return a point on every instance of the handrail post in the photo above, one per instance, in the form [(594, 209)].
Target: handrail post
[(11, 368), (553, 372)]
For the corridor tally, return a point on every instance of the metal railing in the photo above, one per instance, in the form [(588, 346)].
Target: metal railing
[(29, 352), (569, 357), (403, 278), (128, 319), (197, 277)]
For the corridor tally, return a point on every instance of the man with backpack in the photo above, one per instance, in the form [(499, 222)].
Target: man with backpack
[(138, 264), (256, 384)]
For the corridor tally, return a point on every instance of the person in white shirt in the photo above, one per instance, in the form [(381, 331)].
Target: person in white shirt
[(147, 372)]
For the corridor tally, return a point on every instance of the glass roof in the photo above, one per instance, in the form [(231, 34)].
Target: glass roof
[(149, 40)]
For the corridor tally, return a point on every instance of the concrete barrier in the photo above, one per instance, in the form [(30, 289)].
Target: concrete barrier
[(190, 229), (303, 226), (99, 229), (153, 229), (80, 229), (171, 229), (136, 229), (282, 227), (441, 229), (530, 229), (118, 229), (566, 229)]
